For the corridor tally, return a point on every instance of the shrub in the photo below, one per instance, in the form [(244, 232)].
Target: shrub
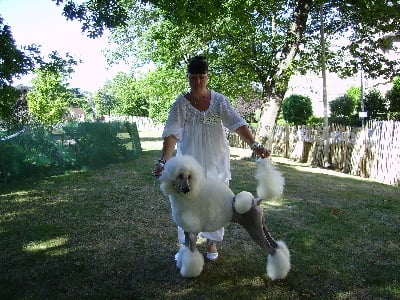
[(297, 109), (38, 152), (375, 105)]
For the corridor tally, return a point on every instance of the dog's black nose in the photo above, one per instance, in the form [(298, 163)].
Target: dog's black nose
[(185, 189)]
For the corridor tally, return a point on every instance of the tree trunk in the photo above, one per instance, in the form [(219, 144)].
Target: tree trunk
[(267, 121), (275, 90)]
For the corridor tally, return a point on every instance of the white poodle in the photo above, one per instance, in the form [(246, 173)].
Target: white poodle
[(202, 205)]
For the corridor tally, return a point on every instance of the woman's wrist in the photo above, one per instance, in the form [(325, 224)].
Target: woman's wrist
[(255, 145), (162, 161)]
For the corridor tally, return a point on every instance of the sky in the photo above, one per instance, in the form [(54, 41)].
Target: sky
[(41, 22)]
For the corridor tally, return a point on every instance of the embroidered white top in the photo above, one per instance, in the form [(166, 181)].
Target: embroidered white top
[(202, 133)]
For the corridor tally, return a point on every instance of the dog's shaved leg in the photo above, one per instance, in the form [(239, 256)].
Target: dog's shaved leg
[(270, 240), (190, 240), (253, 222)]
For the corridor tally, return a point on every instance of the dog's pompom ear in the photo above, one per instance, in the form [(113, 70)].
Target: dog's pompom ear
[(166, 187), (243, 202), (270, 180)]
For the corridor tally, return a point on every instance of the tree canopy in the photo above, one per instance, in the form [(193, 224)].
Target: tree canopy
[(250, 44)]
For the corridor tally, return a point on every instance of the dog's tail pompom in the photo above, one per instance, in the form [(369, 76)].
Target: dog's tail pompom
[(270, 180), (190, 263), (243, 202), (278, 264)]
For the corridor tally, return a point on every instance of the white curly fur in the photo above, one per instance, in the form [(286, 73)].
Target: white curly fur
[(243, 202), (207, 206), (278, 265), (190, 263), (270, 181)]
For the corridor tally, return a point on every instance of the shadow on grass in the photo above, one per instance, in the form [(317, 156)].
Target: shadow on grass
[(108, 234)]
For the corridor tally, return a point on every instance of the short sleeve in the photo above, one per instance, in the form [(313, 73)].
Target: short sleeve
[(176, 118), (230, 118)]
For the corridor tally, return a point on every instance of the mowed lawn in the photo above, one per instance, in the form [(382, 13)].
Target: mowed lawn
[(108, 234)]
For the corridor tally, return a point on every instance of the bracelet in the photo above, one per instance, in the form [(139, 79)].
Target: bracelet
[(255, 145), (162, 161)]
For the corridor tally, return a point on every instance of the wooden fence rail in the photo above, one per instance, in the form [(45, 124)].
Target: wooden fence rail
[(371, 152)]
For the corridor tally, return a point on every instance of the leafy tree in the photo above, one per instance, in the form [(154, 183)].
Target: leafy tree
[(104, 100), (375, 105), (354, 93), (297, 109), (49, 98), (14, 62), (96, 15), (129, 96), (250, 108), (393, 97), (342, 109), (161, 87), (261, 42)]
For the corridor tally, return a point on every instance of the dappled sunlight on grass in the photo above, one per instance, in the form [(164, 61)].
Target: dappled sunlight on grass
[(108, 233), (47, 245)]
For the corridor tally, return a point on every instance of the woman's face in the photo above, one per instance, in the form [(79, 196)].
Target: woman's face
[(198, 82)]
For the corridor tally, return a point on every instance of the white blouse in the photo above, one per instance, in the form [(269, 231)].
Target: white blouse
[(202, 133)]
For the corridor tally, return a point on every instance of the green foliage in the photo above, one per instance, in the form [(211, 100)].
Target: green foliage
[(49, 98), (14, 62), (375, 105), (297, 109), (247, 42), (104, 100), (96, 144), (129, 96), (32, 153), (76, 146), (342, 108), (354, 93), (161, 87), (313, 120), (393, 97), (8, 96), (96, 15)]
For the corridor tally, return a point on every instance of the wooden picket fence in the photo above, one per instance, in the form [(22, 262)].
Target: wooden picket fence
[(371, 152)]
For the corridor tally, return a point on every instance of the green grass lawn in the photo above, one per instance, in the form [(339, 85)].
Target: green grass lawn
[(108, 234)]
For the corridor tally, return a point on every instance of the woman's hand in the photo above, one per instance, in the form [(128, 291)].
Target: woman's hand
[(158, 168), (262, 152), (259, 150)]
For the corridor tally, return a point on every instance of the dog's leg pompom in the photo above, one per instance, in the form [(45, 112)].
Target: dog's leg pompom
[(278, 264), (190, 263), (178, 257), (270, 180), (243, 202)]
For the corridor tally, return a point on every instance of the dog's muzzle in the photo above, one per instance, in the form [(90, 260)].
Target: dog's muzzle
[(185, 187)]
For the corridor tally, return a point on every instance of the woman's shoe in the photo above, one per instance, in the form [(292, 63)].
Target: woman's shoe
[(212, 253)]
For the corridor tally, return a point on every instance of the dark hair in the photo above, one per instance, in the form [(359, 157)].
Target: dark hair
[(198, 65)]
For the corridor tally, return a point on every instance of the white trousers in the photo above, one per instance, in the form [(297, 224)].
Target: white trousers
[(216, 236)]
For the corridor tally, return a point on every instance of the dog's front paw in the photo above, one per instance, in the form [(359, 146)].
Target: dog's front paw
[(190, 263)]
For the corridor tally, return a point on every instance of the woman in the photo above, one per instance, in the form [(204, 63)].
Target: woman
[(196, 124)]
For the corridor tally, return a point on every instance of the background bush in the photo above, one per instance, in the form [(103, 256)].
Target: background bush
[(74, 146), (297, 109)]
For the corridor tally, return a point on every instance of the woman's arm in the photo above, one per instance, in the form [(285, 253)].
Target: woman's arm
[(166, 152), (246, 135)]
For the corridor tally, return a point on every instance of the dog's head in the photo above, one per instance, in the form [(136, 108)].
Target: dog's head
[(181, 175)]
